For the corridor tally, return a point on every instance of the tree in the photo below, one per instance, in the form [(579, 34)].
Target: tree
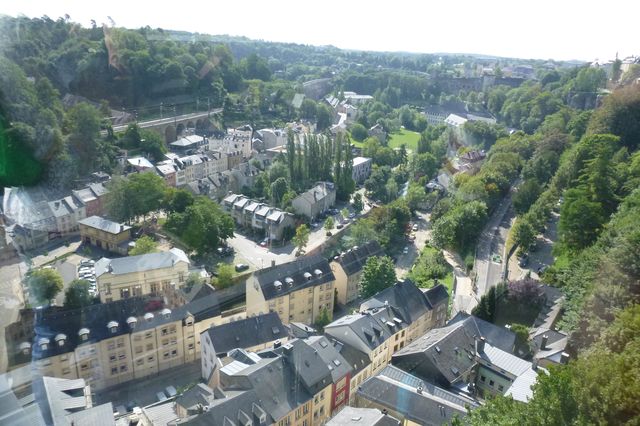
[(77, 294), (329, 224), (486, 308), (193, 279), (358, 204), (377, 274), (308, 109), (152, 144), (44, 284), (83, 125), (302, 237), (324, 117), (524, 234), (460, 226), (416, 196), (178, 200), (344, 213), (136, 195), (526, 195), (424, 165), (358, 132), (224, 279), (278, 189), (144, 245), (580, 219), (361, 232), (323, 319)]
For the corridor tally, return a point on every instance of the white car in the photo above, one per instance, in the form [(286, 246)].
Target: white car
[(405, 250), (415, 227)]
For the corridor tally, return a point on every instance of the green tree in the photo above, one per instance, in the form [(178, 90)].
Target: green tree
[(378, 273), (361, 232), (177, 200), (44, 284), (83, 125), (136, 195), (152, 144), (329, 223), (301, 238), (77, 294), (358, 203), (424, 164), (278, 190), (526, 195), (344, 213), (416, 196), (580, 219), (524, 234), (460, 226), (224, 279), (308, 109), (324, 117), (358, 132), (193, 280), (144, 245), (323, 319)]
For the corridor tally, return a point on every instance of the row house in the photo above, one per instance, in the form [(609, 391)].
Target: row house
[(258, 216), (348, 270), (235, 140), (152, 273), (92, 196), (298, 291), (112, 343), (105, 234)]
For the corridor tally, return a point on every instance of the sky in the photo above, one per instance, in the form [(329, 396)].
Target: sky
[(541, 29)]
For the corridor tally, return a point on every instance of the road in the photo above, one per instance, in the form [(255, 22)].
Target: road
[(541, 256), (423, 234), (490, 251)]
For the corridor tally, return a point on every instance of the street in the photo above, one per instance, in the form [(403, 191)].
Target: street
[(423, 234), (542, 256)]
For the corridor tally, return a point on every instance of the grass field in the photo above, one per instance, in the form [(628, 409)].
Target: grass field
[(407, 137)]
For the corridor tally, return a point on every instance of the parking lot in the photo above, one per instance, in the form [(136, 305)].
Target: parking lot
[(541, 256)]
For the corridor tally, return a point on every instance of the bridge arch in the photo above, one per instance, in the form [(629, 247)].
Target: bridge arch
[(180, 129), (170, 134)]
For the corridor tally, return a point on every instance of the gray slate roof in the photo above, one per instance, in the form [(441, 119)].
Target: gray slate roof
[(353, 260), (404, 296), (141, 263), (247, 333), (398, 390), (103, 224), (351, 416), (295, 270)]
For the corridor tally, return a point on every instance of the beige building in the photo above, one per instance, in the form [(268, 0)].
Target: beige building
[(298, 291), (316, 200), (112, 343), (348, 270), (105, 234), (153, 273)]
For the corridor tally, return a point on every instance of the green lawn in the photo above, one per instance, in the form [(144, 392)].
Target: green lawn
[(406, 137)]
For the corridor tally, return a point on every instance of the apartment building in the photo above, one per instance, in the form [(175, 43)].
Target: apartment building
[(298, 291), (152, 273), (105, 234), (361, 169), (260, 217), (316, 200), (348, 270), (111, 343)]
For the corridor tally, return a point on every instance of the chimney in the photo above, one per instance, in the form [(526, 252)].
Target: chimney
[(543, 344), (121, 228), (480, 345), (564, 358), (534, 364), (273, 263)]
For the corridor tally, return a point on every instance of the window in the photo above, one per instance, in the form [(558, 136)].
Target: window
[(501, 388), (139, 362), (164, 331), (148, 335), (112, 358), (120, 342), (66, 371), (138, 349), (111, 346), (174, 353), (402, 334), (483, 379), (123, 368), (190, 346), (84, 366), (491, 383), (114, 371), (121, 355), (149, 346)]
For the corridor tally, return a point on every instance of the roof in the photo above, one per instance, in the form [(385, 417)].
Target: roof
[(418, 401), (368, 330), (504, 360), (360, 160), (404, 296), (306, 364), (140, 162), (444, 354), (140, 263), (521, 388), (556, 342), (105, 225), (297, 100), (436, 295), (304, 272), (229, 407), (247, 333), (351, 416), (14, 412), (354, 259), (330, 355), (187, 141), (58, 398), (165, 169), (320, 191)]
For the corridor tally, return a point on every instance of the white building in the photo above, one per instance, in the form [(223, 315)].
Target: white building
[(361, 169)]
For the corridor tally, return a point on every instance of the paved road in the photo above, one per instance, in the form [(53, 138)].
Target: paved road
[(423, 234), (541, 256)]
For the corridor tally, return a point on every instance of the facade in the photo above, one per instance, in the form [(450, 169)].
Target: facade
[(298, 291), (259, 217), (377, 131), (316, 200), (111, 343), (412, 400), (361, 169), (188, 144), (67, 211), (167, 170), (92, 196), (348, 270), (152, 273), (272, 138), (105, 234), (236, 140)]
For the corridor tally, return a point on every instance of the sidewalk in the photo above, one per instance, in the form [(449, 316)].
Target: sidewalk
[(464, 298)]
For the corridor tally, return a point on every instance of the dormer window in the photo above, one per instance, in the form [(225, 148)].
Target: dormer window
[(148, 317), (25, 347), (307, 276), (277, 285), (113, 327), (84, 334), (289, 281), (131, 322), (43, 342), (317, 273), (60, 339), (166, 313)]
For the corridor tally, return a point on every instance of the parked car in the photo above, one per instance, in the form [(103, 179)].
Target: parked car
[(264, 242), (241, 267), (415, 227), (352, 215), (161, 396), (170, 391), (542, 269), (339, 226), (405, 250), (87, 262)]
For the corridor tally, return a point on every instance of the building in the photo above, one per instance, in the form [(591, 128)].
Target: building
[(251, 334), (549, 347), (361, 169), (456, 121), (272, 138), (152, 273), (298, 291), (92, 196), (377, 131), (236, 140), (316, 200), (351, 416), (111, 343), (355, 99), (316, 89), (412, 400), (67, 211), (348, 270), (167, 171), (437, 114), (259, 217), (188, 144), (139, 164), (105, 234)]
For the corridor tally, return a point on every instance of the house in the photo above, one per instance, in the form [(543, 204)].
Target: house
[(167, 171), (272, 138), (105, 234), (316, 200), (356, 99), (67, 211), (298, 291), (377, 131), (152, 273), (258, 216), (350, 111), (111, 343), (277, 222), (92, 196), (251, 334), (351, 416), (361, 169), (437, 114), (412, 400), (549, 347), (455, 121), (188, 144), (139, 164), (348, 270), (445, 356), (316, 89), (236, 140)]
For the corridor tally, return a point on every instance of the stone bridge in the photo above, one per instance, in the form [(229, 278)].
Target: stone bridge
[(172, 127)]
